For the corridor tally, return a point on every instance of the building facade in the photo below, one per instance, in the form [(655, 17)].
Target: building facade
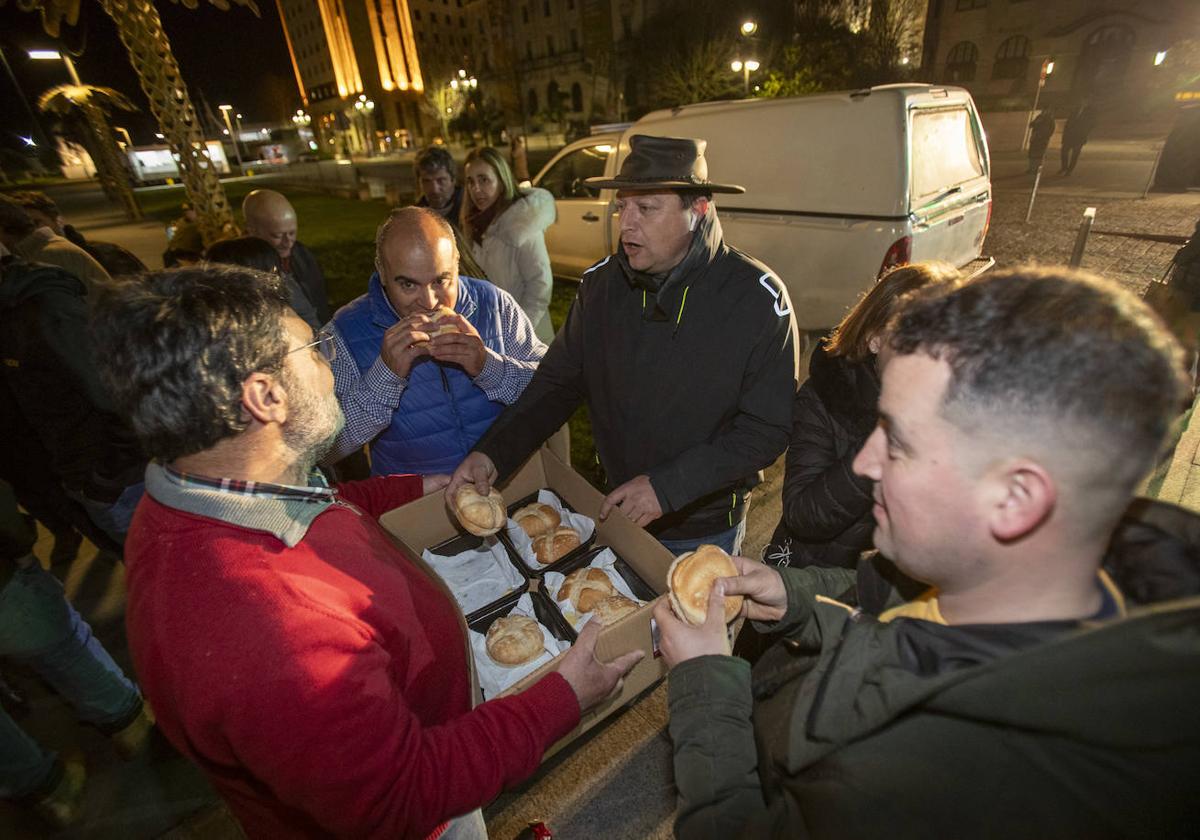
[(358, 65), (1009, 53)]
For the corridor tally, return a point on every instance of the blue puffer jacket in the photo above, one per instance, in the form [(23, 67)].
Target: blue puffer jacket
[(442, 413)]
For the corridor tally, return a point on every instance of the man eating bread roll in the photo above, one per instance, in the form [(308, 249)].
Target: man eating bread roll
[(427, 358), (684, 350)]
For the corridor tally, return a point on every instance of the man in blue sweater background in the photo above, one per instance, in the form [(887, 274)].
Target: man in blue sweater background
[(420, 401)]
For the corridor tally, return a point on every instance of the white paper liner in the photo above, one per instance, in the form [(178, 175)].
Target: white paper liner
[(495, 678), (524, 544), (553, 581), (477, 577)]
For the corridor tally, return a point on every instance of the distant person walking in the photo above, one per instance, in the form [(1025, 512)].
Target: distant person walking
[(1040, 132), (1075, 134), (520, 159), (505, 227)]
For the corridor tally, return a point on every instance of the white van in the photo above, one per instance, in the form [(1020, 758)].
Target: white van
[(839, 187)]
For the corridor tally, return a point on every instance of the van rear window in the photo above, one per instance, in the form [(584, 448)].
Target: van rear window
[(945, 152)]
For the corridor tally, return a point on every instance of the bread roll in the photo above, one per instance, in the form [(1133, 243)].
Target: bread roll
[(537, 518), (691, 579), (613, 608), (584, 588), (514, 640), (480, 515), (555, 544), (450, 326)]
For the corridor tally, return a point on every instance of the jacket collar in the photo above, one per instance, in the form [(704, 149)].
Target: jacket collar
[(384, 315)]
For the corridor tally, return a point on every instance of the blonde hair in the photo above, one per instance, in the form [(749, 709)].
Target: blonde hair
[(851, 338), (470, 216)]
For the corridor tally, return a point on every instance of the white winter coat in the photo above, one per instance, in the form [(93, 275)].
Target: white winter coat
[(513, 254)]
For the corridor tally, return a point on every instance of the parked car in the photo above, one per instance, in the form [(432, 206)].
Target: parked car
[(839, 187)]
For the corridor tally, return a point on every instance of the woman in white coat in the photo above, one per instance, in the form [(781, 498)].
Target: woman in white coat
[(505, 228)]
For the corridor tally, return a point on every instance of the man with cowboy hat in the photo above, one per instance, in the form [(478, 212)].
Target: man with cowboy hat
[(685, 351)]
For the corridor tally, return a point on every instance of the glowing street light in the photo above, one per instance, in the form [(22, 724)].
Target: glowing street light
[(55, 55), (28, 141), (745, 68), (225, 109), (1047, 69), (1160, 57), (365, 107), (749, 27)]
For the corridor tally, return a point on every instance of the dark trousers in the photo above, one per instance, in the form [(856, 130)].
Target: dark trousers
[(1070, 156)]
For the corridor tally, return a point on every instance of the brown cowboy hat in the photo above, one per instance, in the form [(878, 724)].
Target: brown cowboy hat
[(664, 163)]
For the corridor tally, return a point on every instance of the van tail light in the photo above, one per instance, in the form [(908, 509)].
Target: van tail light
[(987, 223), (899, 254)]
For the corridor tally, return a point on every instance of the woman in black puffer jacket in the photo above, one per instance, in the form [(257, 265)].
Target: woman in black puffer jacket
[(826, 507)]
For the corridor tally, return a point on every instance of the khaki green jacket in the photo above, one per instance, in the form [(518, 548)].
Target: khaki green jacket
[(849, 728)]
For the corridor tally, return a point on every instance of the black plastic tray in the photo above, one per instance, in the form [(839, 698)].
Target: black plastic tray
[(547, 614), (470, 542), (636, 585), (573, 554)]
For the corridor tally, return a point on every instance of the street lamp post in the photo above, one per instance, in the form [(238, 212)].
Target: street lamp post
[(365, 107), (1047, 69), (110, 166), (745, 68), (237, 120), (225, 109)]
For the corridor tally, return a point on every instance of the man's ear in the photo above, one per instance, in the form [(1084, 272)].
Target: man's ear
[(1022, 496), (264, 398)]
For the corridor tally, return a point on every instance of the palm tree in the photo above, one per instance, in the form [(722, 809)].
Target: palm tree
[(141, 31), (92, 102)]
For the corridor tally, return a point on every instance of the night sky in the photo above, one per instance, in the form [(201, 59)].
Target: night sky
[(231, 57)]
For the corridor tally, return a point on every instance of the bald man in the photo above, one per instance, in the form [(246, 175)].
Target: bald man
[(270, 216), (423, 401)]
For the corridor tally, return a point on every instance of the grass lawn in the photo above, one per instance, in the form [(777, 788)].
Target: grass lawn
[(341, 232)]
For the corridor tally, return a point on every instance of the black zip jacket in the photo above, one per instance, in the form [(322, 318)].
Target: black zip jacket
[(50, 386), (689, 381), (827, 517)]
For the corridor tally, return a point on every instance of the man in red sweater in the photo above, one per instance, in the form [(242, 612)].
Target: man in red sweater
[(317, 672)]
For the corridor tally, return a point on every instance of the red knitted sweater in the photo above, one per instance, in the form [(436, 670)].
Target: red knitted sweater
[(323, 688)]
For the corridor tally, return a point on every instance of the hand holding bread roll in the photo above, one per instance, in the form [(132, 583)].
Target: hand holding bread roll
[(690, 581), (445, 321), (479, 515)]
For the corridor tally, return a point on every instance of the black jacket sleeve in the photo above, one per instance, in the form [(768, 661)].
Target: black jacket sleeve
[(822, 496), (548, 401), (755, 438)]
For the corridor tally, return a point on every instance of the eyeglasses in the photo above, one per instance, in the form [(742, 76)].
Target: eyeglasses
[(323, 343)]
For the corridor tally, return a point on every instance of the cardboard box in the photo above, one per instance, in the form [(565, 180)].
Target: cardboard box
[(427, 522)]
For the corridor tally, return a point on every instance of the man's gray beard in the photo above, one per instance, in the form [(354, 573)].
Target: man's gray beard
[(312, 428)]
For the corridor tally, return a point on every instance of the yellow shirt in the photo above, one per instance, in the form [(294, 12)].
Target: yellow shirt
[(925, 606)]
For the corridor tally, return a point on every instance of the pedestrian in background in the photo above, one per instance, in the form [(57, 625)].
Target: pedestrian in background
[(520, 159), (1040, 132), (505, 228), (41, 630), (270, 216), (1075, 134), (252, 252), (45, 213)]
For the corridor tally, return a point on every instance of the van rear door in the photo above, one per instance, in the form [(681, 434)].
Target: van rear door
[(950, 196)]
